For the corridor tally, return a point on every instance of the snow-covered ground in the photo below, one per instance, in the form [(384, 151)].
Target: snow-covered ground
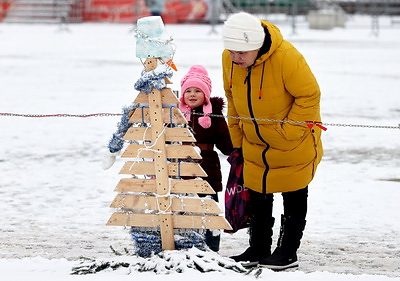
[(55, 196)]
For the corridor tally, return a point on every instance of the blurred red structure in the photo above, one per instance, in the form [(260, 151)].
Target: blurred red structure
[(118, 11), (176, 11), (4, 6), (184, 11), (121, 11)]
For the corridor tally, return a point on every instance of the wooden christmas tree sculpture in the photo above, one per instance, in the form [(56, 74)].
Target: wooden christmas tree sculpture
[(162, 192)]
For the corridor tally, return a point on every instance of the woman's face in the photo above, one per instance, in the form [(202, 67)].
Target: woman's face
[(194, 97), (244, 59)]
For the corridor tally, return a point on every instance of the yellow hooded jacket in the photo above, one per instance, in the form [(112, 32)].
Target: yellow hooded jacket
[(279, 156)]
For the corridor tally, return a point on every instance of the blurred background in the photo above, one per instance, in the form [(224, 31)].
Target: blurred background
[(318, 14)]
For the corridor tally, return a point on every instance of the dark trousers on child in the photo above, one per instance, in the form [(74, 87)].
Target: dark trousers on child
[(211, 240)]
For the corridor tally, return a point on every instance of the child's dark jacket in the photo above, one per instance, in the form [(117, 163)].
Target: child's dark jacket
[(215, 136)]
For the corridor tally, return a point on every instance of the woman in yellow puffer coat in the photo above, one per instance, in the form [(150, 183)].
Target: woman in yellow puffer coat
[(274, 94)]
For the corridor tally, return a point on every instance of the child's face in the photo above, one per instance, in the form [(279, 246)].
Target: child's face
[(194, 97)]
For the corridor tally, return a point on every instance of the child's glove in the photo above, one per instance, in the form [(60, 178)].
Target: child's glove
[(109, 159), (198, 150)]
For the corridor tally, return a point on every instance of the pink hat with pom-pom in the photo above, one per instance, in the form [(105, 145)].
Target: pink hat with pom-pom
[(197, 76)]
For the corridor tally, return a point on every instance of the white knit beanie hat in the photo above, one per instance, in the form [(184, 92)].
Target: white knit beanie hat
[(243, 32)]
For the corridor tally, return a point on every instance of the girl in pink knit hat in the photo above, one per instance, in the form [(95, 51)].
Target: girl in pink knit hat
[(209, 131)]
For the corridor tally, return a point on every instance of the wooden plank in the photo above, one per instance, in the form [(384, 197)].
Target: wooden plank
[(171, 115), (191, 186), (130, 201), (161, 170), (183, 204), (179, 221), (158, 138), (196, 205), (177, 186), (173, 151), (201, 222), (171, 134), (167, 231), (167, 96), (136, 185), (125, 219), (184, 169)]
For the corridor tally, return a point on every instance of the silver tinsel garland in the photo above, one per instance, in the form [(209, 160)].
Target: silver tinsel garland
[(148, 241), (153, 79)]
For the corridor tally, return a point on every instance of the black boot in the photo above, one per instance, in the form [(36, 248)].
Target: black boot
[(212, 240), (260, 243), (285, 254), (260, 230)]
